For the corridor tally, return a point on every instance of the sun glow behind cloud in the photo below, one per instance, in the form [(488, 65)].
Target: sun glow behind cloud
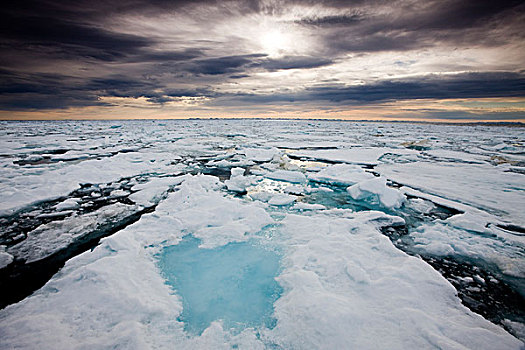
[(275, 42), (263, 58)]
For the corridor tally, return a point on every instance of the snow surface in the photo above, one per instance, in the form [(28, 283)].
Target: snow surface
[(358, 155), (344, 283), (5, 258), (308, 206), (368, 298), (238, 182), (377, 189), (489, 188), (341, 174), (151, 192), (286, 175), (51, 237), (281, 199)]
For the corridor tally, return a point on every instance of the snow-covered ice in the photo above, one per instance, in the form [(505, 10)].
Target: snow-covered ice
[(358, 155), (238, 182), (5, 258), (258, 234), (56, 235), (376, 189), (286, 175), (491, 188), (341, 174)]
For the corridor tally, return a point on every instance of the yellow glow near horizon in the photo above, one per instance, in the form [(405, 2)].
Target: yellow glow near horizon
[(412, 110)]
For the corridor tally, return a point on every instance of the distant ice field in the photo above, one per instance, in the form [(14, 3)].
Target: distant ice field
[(261, 234)]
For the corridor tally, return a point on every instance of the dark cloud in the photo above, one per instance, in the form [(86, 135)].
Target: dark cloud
[(45, 33), (166, 56), (42, 91), (49, 91), (198, 92), (59, 91), (93, 11), (239, 76), (60, 54), (42, 31), (410, 15), (462, 115), (404, 25), (462, 14), (335, 20), (221, 65), (11, 83), (120, 86), (469, 85), (292, 62), (246, 63)]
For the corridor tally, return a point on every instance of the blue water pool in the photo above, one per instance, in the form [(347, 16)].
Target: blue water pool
[(234, 283)]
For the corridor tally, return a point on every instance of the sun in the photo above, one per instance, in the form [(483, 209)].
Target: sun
[(275, 42)]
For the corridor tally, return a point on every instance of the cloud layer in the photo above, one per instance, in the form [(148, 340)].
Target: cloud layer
[(259, 56)]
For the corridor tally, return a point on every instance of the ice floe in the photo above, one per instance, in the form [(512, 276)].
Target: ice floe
[(151, 192), (358, 155), (374, 238), (238, 182), (377, 189), (341, 174), (308, 206), (260, 154), (334, 295), (281, 199), (482, 186), (286, 175), (5, 257), (50, 238)]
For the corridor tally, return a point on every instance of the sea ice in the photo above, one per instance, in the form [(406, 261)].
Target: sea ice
[(70, 203), (151, 192), (371, 297), (441, 239), (344, 286), (5, 258), (358, 155), (260, 154), (484, 186), (308, 206), (49, 238), (238, 182), (211, 217), (286, 175), (388, 197), (297, 190), (336, 282), (22, 190), (281, 199), (341, 174)]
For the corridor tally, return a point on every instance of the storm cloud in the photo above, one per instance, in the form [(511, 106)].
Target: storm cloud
[(60, 55)]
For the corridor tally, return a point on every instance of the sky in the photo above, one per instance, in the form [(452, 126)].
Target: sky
[(435, 60)]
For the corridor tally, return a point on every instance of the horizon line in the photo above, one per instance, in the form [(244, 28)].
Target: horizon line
[(433, 121)]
